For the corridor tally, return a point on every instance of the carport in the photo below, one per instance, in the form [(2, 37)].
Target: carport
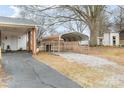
[(17, 33), (74, 36), (72, 42)]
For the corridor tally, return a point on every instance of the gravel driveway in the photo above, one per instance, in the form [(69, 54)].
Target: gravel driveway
[(92, 61), (27, 72), (112, 74)]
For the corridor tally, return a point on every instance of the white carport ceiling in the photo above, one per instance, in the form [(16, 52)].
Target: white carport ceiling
[(14, 30)]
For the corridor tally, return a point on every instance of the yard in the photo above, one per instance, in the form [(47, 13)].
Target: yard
[(2, 78), (94, 74), (113, 54)]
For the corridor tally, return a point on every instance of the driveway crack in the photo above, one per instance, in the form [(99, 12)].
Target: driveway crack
[(42, 82)]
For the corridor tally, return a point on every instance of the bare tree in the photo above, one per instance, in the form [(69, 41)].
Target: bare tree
[(39, 15), (89, 15), (104, 23), (119, 18), (77, 26), (79, 16)]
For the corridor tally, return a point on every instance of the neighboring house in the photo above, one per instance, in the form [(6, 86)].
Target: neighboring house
[(66, 42), (17, 34), (121, 37), (111, 39)]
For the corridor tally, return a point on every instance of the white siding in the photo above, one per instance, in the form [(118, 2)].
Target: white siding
[(15, 42), (98, 40), (108, 39), (86, 42), (11, 41), (22, 42)]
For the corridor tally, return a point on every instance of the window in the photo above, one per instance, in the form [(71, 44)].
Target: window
[(114, 40), (6, 37), (100, 41)]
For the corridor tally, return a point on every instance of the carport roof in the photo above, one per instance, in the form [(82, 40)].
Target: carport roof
[(16, 21), (74, 36)]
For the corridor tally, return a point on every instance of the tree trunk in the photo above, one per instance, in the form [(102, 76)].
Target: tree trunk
[(93, 34), (93, 38)]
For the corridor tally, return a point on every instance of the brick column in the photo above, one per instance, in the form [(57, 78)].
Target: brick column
[(0, 50), (34, 41), (29, 41), (0, 45)]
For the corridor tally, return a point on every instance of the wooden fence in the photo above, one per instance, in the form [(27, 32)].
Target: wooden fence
[(61, 46)]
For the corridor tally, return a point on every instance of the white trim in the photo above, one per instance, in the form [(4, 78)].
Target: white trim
[(15, 24)]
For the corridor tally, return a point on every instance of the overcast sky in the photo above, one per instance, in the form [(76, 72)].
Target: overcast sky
[(7, 10), (11, 11)]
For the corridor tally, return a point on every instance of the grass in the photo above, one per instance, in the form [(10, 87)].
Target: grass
[(113, 54), (80, 73), (2, 78), (106, 76)]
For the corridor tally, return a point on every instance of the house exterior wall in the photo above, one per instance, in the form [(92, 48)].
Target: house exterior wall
[(121, 42), (15, 42), (98, 41), (121, 34), (22, 42), (11, 41), (108, 39)]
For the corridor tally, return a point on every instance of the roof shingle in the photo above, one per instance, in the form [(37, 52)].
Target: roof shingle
[(17, 21)]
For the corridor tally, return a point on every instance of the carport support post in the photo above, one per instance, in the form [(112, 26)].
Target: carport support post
[(0, 46), (29, 41), (0, 50), (59, 43), (34, 41)]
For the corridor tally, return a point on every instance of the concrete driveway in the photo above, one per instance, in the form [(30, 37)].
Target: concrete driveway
[(26, 72)]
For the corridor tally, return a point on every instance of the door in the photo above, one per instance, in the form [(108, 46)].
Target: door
[(114, 40), (100, 41), (48, 48)]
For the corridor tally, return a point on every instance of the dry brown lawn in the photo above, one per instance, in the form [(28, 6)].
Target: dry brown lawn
[(110, 53), (70, 69), (2, 78), (81, 73)]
